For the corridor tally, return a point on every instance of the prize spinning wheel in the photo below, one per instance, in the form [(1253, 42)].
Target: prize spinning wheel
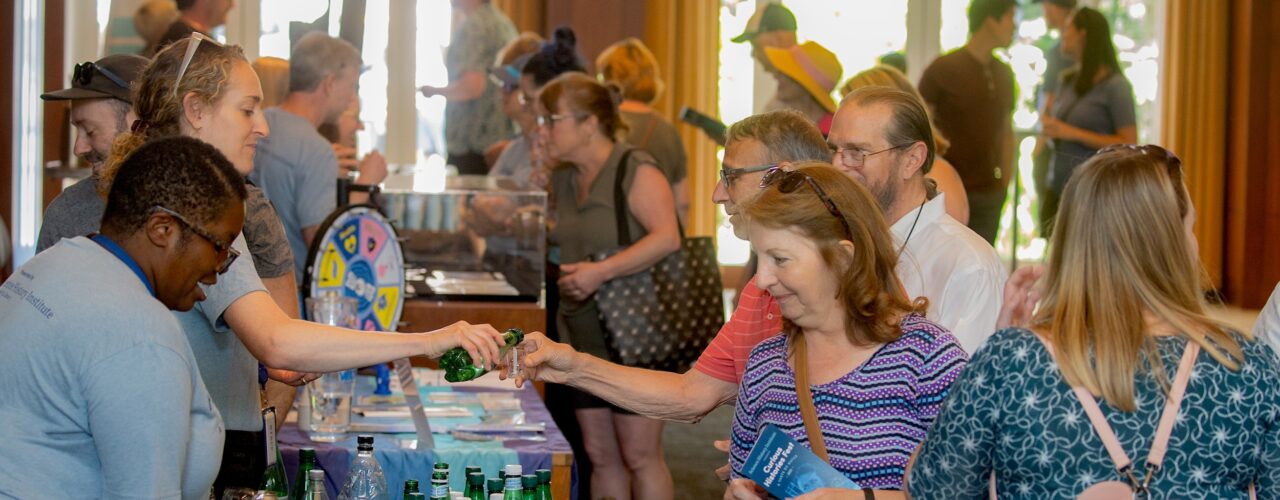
[(356, 254)]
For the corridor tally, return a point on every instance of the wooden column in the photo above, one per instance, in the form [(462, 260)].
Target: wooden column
[(1253, 191)]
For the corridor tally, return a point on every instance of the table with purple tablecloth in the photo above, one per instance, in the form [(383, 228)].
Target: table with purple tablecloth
[(400, 461)]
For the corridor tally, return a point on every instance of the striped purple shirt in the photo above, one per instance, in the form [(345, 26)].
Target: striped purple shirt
[(872, 418)]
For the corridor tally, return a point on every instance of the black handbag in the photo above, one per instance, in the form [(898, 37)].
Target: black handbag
[(663, 317)]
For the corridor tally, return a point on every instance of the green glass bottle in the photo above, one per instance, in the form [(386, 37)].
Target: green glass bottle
[(544, 484), (529, 484), (458, 366), (495, 485), (313, 488), (410, 486), (439, 485), (512, 488), (475, 486), (273, 479), (306, 462)]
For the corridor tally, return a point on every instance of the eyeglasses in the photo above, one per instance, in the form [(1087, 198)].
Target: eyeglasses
[(549, 120), (192, 46), (218, 245), (854, 157), (84, 72), (730, 174), (788, 181)]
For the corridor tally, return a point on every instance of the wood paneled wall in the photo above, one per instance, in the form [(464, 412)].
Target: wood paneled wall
[(1253, 154)]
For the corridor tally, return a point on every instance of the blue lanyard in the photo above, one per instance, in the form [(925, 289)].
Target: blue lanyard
[(115, 249)]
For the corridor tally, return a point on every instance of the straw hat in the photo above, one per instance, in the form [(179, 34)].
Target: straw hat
[(812, 65)]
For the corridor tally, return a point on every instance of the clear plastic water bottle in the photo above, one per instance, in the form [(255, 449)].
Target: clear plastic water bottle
[(365, 481)]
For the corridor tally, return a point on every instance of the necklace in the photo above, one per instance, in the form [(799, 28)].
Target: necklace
[(913, 227)]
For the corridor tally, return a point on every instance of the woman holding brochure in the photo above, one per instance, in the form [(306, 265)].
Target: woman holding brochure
[(858, 374)]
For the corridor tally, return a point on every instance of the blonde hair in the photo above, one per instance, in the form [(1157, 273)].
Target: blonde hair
[(888, 76), (868, 285), (273, 73), (159, 107), (631, 66), (1119, 255)]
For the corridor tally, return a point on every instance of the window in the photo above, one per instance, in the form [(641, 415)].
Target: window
[(1135, 32), (860, 32)]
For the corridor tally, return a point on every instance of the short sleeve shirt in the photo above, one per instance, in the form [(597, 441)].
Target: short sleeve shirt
[(871, 418), (658, 137), (756, 318), (77, 211), (972, 103), (471, 126), (1105, 109), (229, 370), (101, 397), (296, 168), (265, 234)]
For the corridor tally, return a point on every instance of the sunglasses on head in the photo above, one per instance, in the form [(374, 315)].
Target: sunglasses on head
[(788, 181), (1151, 151), (83, 75), (192, 46)]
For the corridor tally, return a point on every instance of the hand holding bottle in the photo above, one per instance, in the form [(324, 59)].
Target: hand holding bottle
[(482, 342)]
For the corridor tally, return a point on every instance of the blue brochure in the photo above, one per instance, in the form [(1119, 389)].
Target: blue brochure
[(787, 469)]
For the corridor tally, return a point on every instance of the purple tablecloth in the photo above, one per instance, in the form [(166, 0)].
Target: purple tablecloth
[(398, 463)]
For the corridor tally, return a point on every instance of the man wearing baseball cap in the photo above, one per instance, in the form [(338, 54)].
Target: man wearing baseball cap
[(101, 109), (772, 26)]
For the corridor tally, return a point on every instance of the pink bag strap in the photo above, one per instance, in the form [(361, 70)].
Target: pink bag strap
[(1163, 430)]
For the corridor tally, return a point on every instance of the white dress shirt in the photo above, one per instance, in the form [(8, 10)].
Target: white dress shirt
[(957, 270), (1267, 329)]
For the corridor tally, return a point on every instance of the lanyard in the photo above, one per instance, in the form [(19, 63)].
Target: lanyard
[(115, 250)]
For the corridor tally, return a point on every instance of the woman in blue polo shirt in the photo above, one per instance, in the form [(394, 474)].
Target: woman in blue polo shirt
[(102, 396)]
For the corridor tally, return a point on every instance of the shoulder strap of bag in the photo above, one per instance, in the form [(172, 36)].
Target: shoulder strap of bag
[(807, 411), (620, 208), (620, 200), (1167, 418)]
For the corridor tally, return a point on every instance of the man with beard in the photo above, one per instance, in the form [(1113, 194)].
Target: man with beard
[(881, 137), (101, 109)]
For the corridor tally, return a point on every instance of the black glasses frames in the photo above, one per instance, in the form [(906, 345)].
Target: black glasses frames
[(218, 245), (729, 174)]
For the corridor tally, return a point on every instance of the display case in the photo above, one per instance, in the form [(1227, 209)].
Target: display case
[(477, 239)]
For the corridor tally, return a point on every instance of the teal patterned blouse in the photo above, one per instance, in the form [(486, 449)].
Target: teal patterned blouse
[(1011, 412)]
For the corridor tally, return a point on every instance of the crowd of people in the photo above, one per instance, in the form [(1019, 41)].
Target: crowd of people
[(877, 328)]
